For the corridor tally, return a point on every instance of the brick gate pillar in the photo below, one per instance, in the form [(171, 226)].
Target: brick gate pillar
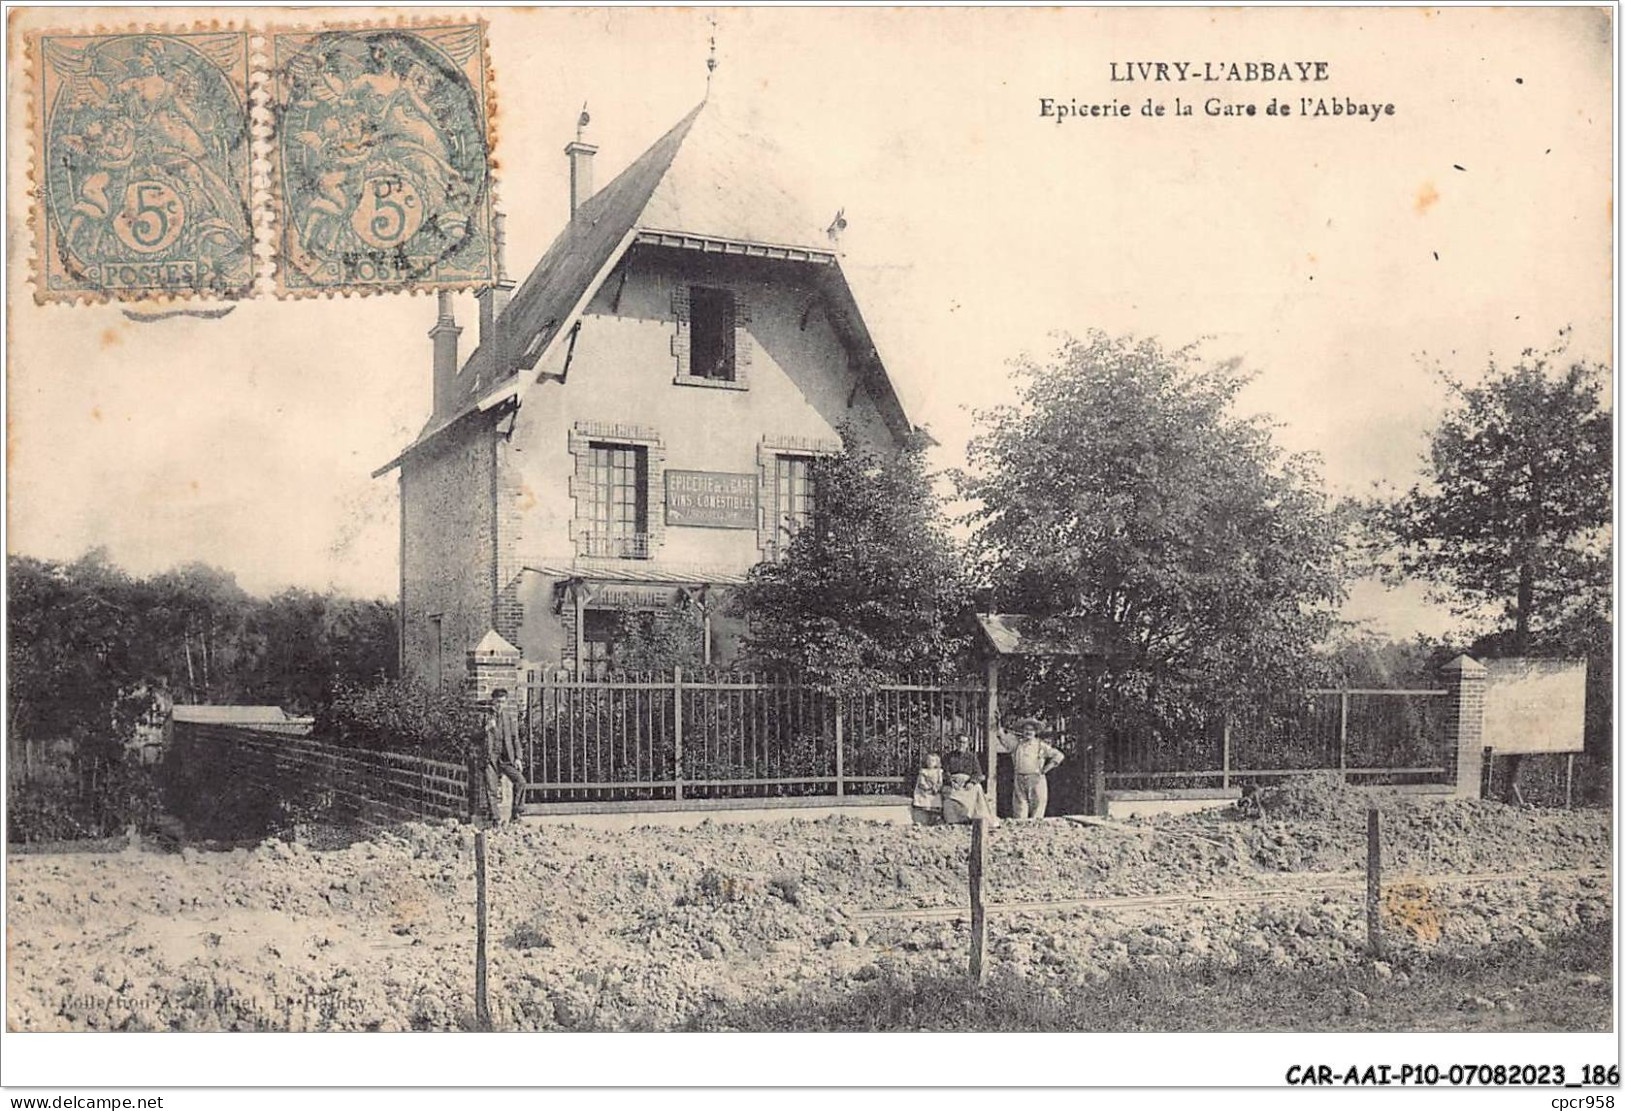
[(493, 663), (1466, 679)]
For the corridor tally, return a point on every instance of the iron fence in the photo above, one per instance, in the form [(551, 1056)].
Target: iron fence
[(1372, 736), (713, 735)]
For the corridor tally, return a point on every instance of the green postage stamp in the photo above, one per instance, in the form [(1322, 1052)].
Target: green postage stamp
[(226, 163), (142, 184), (382, 155)]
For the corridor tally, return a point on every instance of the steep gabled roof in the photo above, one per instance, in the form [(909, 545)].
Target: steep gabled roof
[(706, 183)]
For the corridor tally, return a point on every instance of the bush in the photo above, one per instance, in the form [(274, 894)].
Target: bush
[(400, 715), (95, 799)]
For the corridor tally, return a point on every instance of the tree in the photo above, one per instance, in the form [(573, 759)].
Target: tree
[(305, 642), (1123, 489), (1510, 519), (1510, 522), (871, 588)]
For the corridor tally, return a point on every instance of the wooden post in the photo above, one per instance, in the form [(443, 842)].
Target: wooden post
[(1568, 783), (1225, 780), (840, 755), (1343, 736), (482, 1009), (1373, 881), (677, 728), (978, 913), (993, 733), (1097, 780)]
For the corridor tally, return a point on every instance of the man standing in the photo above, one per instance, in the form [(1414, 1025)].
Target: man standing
[(1032, 760), (502, 757)]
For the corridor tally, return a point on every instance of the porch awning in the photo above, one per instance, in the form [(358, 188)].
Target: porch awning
[(1025, 634), (637, 571)]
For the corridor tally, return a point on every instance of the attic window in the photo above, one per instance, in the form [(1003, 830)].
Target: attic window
[(711, 334)]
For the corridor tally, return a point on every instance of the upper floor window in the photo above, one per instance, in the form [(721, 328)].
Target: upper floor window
[(793, 497), (711, 334), (618, 502)]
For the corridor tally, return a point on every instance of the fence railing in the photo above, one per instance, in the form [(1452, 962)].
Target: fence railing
[(708, 735), (1398, 736)]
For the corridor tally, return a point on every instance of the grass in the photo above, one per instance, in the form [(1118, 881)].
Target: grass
[(1544, 985)]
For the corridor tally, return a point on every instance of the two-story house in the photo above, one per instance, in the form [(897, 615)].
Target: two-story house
[(636, 421)]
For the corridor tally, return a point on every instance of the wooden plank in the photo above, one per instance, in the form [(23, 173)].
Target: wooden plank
[(785, 782), (1239, 773), (1373, 881), (482, 1008), (1313, 890), (606, 785), (978, 913), (1429, 693)]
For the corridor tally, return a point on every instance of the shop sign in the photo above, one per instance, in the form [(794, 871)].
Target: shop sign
[(632, 596), (711, 499)]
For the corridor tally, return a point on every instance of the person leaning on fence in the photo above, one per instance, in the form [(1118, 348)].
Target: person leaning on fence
[(1032, 760), (502, 756), (927, 807)]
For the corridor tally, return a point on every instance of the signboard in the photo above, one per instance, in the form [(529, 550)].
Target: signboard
[(1535, 706), (711, 499), (632, 596)]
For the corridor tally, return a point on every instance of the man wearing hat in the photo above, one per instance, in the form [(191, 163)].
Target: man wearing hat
[(1032, 759)]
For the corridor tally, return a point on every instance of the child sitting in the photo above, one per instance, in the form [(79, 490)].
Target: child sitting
[(927, 808)]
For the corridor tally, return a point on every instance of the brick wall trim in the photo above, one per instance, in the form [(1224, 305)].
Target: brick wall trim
[(582, 435), (767, 455), (681, 314)]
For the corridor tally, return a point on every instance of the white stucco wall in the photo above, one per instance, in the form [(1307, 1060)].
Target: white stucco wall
[(798, 384)]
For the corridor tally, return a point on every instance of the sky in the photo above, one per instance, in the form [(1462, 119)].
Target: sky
[(1337, 257)]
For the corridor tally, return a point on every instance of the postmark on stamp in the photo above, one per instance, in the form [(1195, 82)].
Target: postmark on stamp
[(144, 166), (381, 161)]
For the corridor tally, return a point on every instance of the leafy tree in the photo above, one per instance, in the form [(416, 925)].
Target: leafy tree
[(196, 618), (1365, 660), (400, 715), (871, 588), (80, 676), (1510, 519), (1124, 492), (1510, 522), (661, 641), (304, 642)]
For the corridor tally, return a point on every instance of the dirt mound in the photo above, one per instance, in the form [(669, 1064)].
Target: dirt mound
[(598, 929)]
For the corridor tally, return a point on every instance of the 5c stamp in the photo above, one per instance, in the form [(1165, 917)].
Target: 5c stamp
[(143, 173), (382, 158)]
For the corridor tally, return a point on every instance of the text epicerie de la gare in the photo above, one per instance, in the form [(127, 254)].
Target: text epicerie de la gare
[(1062, 109)]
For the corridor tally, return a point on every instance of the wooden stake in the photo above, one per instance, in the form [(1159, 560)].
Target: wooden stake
[(978, 913), (992, 728), (1373, 881), (1568, 783), (482, 1008)]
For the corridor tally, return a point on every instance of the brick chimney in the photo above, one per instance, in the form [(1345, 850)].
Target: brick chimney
[(444, 334), (494, 297), (580, 156)]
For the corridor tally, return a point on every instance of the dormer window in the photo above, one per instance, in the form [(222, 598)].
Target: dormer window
[(711, 334)]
